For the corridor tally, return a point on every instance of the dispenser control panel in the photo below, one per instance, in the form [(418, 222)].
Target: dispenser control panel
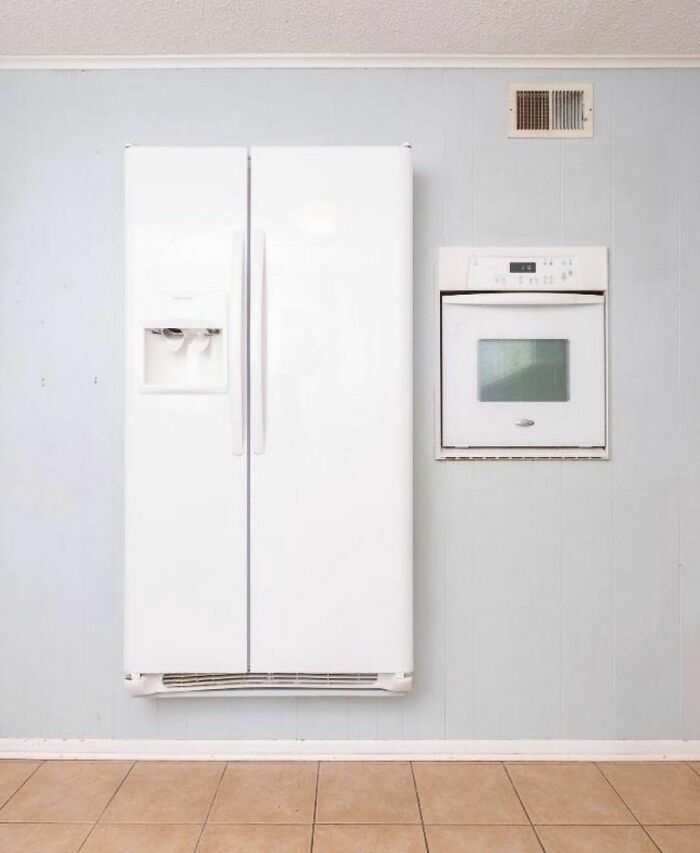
[(509, 273)]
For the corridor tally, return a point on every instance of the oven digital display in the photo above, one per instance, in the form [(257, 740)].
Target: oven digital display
[(523, 266)]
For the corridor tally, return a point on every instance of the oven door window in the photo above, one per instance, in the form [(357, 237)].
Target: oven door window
[(523, 370)]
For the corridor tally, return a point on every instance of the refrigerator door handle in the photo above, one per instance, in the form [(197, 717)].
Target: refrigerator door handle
[(257, 341), (238, 347)]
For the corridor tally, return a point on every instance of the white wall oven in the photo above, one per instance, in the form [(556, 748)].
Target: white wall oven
[(522, 353)]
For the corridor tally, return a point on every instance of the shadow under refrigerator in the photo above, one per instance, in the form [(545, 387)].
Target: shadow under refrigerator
[(268, 420)]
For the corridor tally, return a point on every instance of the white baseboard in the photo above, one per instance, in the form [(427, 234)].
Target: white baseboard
[(353, 750)]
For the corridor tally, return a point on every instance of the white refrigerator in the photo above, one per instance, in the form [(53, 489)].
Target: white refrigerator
[(268, 420)]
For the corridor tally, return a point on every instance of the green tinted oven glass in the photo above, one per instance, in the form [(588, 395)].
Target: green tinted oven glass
[(523, 370)]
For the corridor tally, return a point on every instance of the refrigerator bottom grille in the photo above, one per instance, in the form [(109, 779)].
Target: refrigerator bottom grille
[(148, 684), (269, 679)]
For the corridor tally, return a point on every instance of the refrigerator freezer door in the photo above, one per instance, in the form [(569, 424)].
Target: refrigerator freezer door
[(185, 480), (331, 410)]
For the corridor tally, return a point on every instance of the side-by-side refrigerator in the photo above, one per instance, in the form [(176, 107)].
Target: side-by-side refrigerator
[(268, 409)]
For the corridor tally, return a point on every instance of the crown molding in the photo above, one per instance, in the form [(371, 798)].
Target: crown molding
[(388, 60)]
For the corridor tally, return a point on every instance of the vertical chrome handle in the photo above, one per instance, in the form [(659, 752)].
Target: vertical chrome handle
[(237, 357), (257, 340)]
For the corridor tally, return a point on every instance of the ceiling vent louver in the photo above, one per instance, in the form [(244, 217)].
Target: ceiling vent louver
[(557, 111)]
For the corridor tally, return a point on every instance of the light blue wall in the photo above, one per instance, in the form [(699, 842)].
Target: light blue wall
[(552, 599)]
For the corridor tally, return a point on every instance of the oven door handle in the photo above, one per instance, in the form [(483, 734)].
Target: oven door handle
[(516, 298)]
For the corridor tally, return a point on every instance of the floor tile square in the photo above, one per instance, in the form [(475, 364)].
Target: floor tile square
[(676, 839), (377, 839), (482, 839), (113, 838), (266, 792), (467, 793), (66, 792), (42, 837), (366, 792), (572, 793), (12, 775), (657, 792), (255, 839), (595, 839), (166, 792)]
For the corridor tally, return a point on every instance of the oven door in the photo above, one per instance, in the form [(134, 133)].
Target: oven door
[(523, 370)]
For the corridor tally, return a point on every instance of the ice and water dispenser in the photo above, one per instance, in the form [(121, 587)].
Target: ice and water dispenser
[(184, 343)]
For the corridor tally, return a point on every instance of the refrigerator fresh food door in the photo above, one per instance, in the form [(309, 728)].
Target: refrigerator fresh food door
[(331, 410), (185, 479), (523, 370)]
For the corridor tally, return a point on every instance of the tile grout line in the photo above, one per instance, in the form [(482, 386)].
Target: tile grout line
[(145, 823), (14, 793), (313, 820), (420, 809), (616, 792), (690, 764), (612, 826), (99, 817), (537, 836), (211, 806), (627, 806), (645, 831), (522, 804)]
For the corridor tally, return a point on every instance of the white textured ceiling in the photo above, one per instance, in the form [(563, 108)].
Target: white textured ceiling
[(128, 27)]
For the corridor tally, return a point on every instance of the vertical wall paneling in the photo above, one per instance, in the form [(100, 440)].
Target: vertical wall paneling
[(460, 599), (548, 596), (645, 404), (587, 569), (457, 480), (261, 718), (458, 158), (515, 529), (515, 522), (24, 595), (517, 182), (423, 714), (689, 314)]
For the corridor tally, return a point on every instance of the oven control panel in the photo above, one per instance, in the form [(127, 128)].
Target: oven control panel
[(538, 272)]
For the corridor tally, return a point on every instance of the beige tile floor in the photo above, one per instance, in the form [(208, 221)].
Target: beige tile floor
[(348, 807)]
